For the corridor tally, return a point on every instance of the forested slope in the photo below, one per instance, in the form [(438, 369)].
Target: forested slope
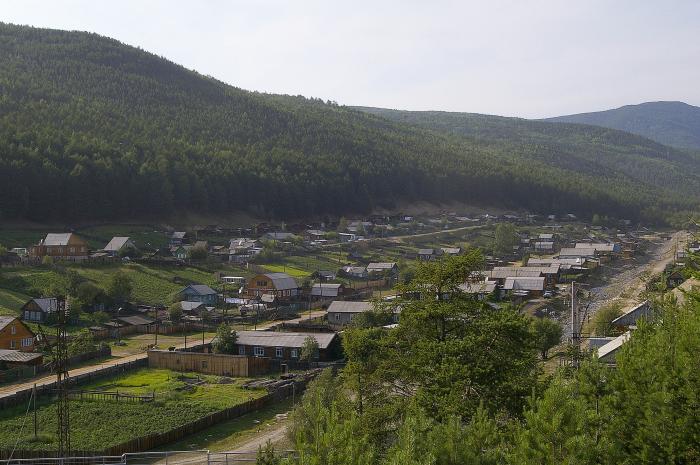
[(91, 128), (672, 123)]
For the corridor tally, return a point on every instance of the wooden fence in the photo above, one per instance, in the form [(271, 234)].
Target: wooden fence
[(212, 364), (151, 441)]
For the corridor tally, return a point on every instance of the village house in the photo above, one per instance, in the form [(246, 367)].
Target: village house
[(117, 244), (429, 254), (551, 273), (279, 236), (500, 274), (571, 252), (199, 293), (326, 290), (359, 272), (524, 286), (631, 316), (178, 238), (480, 290), (181, 252), (15, 335), (63, 246), (341, 313), (543, 246), (242, 250), (286, 346), (39, 310), (281, 285), (382, 267), (452, 250), (347, 237)]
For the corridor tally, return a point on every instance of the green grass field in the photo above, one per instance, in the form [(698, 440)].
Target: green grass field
[(151, 284), (96, 424)]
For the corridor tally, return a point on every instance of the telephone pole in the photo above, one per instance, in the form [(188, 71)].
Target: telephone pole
[(61, 357)]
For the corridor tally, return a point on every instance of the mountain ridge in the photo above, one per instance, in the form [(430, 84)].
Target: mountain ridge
[(94, 129), (671, 123)]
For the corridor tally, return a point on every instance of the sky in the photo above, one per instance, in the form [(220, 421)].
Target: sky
[(526, 58)]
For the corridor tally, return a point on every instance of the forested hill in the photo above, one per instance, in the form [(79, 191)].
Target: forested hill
[(671, 123), (93, 129)]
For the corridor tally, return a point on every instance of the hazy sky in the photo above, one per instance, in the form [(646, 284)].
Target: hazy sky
[(518, 58)]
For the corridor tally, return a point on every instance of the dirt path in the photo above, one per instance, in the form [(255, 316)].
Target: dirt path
[(275, 434)]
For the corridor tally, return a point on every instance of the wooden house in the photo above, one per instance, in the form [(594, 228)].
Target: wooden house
[(15, 335), (40, 310), (199, 293), (281, 285), (64, 246), (118, 244), (286, 346)]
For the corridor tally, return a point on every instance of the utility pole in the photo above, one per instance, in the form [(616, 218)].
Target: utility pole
[(34, 405), (61, 356), (575, 336)]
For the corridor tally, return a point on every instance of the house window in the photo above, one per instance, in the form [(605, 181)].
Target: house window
[(241, 350), (13, 344), (337, 317), (259, 351), (295, 353), (72, 250), (278, 352), (205, 364), (27, 342), (13, 329)]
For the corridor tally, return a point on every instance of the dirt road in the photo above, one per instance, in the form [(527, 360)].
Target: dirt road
[(626, 285)]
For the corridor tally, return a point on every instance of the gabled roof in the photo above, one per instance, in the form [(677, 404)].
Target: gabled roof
[(189, 306), (425, 251), (631, 316), (574, 252), (282, 281), (46, 304), (608, 351), (200, 289), (116, 244), (552, 269), (514, 272), (6, 320), (60, 239), (326, 289), (524, 284), (341, 306), (279, 339), (179, 235)]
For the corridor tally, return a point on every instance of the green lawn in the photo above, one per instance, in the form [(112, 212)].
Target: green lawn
[(11, 301), (96, 424), (290, 270)]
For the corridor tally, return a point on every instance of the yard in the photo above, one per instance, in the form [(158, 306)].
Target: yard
[(96, 424)]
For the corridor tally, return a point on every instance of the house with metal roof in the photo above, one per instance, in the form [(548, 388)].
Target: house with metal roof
[(15, 358), (39, 310), (117, 244), (326, 290), (608, 352), (479, 289), (524, 286), (341, 313), (281, 285), (286, 346), (631, 316), (199, 293), (15, 335), (382, 267), (60, 246)]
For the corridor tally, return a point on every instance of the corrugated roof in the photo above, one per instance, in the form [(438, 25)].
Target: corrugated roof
[(279, 339), (282, 281), (57, 239), (381, 266), (631, 316), (47, 304), (513, 272), (189, 306), (341, 306), (552, 269), (326, 289), (116, 244), (18, 356), (484, 287), (574, 252)]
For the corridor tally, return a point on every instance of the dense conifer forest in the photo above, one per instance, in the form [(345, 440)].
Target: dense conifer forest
[(93, 129)]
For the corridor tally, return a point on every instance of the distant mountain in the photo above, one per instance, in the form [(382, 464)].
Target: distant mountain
[(93, 129), (672, 123)]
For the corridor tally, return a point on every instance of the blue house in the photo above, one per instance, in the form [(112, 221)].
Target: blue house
[(199, 293)]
